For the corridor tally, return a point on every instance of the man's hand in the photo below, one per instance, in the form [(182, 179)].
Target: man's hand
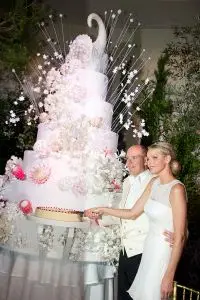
[(169, 237)]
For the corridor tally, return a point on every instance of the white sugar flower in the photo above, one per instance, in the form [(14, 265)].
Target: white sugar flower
[(21, 98), (115, 70)]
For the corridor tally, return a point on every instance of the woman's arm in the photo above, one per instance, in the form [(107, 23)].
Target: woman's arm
[(179, 211), (132, 213)]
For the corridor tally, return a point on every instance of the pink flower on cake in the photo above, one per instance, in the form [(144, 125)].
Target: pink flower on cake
[(40, 173), (18, 172), (25, 206), (14, 168)]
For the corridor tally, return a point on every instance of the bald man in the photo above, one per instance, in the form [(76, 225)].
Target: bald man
[(133, 231)]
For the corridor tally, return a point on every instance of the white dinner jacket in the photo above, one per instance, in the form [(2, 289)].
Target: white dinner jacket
[(133, 232)]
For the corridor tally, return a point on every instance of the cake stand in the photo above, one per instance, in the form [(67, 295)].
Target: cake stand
[(44, 221)]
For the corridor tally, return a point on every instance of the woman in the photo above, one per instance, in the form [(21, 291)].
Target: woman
[(164, 202)]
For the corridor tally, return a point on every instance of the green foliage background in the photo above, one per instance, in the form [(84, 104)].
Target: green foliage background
[(18, 34)]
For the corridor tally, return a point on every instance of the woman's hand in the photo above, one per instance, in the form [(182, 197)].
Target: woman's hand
[(94, 213), (166, 286)]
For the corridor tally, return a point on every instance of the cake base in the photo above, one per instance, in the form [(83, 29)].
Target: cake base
[(58, 214)]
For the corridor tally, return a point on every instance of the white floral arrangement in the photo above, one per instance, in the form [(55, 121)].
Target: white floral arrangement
[(60, 84), (11, 163), (104, 172), (81, 49), (74, 135), (9, 213), (5, 229), (14, 168), (103, 242)]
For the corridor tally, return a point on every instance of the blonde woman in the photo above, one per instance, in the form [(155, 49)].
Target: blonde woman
[(164, 202)]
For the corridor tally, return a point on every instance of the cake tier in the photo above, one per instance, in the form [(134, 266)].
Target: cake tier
[(58, 214), (99, 114), (98, 139), (93, 84), (49, 194)]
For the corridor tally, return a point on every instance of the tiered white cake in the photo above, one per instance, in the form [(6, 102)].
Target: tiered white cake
[(73, 165)]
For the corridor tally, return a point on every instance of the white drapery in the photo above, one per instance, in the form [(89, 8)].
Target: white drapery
[(41, 268), (27, 277)]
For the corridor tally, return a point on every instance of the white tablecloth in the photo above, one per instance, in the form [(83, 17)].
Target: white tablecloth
[(29, 274), (25, 277)]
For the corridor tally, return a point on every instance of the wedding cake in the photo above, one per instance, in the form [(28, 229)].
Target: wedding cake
[(73, 165)]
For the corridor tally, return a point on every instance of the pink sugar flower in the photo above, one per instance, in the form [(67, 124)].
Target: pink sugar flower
[(40, 173), (18, 172), (25, 206)]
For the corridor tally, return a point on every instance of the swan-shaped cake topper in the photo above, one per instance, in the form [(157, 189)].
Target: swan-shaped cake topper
[(100, 42)]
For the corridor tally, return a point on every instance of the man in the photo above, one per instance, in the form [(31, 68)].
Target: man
[(133, 232)]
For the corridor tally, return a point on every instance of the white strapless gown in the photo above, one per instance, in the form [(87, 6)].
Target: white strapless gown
[(156, 254)]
